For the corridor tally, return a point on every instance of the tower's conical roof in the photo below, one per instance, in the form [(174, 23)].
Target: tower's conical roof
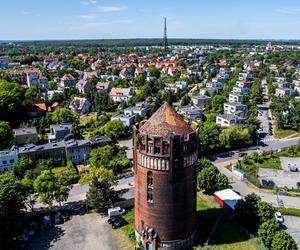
[(164, 122)]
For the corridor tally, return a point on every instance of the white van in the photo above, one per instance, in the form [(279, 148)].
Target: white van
[(115, 211)]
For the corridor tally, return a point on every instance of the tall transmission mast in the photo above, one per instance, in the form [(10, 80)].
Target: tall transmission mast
[(165, 34)]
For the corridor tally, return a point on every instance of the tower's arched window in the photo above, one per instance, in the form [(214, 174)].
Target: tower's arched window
[(150, 186)]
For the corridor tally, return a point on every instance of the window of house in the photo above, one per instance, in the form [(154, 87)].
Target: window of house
[(156, 146), (4, 162), (11, 161), (150, 186)]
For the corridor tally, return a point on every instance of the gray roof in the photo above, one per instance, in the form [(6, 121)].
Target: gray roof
[(25, 131), (228, 116), (47, 146), (76, 143), (199, 97), (235, 104), (58, 127)]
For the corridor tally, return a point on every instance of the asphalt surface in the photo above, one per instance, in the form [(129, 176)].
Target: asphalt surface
[(292, 224), (81, 232)]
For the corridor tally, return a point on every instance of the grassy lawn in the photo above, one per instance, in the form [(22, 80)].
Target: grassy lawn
[(282, 133), (251, 166), (229, 237)]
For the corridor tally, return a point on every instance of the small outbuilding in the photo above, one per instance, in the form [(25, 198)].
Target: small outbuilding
[(227, 198)]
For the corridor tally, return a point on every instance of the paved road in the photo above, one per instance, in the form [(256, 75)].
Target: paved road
[(243, 188), (81, 232), (293, 227), (79, 192)]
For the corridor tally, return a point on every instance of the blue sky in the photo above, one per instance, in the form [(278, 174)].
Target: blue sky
[(89, 19)]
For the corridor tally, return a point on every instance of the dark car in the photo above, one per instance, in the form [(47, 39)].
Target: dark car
[(241, 154), (112, 219), (119, 223), (298, 184)]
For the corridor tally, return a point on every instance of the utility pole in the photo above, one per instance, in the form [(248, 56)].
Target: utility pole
[(165, 35)]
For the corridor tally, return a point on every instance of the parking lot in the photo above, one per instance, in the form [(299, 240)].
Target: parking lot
[(82, 232), (284, 177), (292, 223)]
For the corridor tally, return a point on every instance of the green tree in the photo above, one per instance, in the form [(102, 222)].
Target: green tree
[(6, 135), (100, 194), (246, 211), (51, 187), (235, 137), (12, 201), (282, 240), (210, 180), (11, 102), (265, 211), (113, 129), (209, 137), (109, 157), (32, 95), (103, 102), (267, 231), (217, 103), (21, 166), (62, 115)]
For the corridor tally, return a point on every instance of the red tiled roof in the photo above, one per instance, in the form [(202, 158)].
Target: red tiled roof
[(164, 122)]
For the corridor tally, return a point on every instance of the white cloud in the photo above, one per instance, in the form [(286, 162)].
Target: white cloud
[(88, 17), (112, 8), (88, 2)]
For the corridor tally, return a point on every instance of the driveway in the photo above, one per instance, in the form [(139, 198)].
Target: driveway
[(81, 232), (292, 223)]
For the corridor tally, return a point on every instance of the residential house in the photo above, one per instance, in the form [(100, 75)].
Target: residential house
[(80, 105), (83, 86), (55, 151), (244, 84), (236, 108), (121, 94), (142, 112), (58, 132), (215, 85), (191, 112), (201, 101), (37, 109), (236, 97), (25, 135), (244, 91), (140, 72), (67, 81), (126, 74), (283, 92), (103, 86), (78, 151), (4, 61), (7, 159), (100, 141), (226, 120), (127, 120), (90, 75), (208, 91)]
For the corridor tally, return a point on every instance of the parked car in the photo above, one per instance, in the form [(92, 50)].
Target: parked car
[(112, 219), (298, 184), (115, 211), (241, 154), (119, 223), (279, 217), (293, 168)]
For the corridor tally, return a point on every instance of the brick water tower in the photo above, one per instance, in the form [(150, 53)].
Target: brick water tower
[(164, 155)]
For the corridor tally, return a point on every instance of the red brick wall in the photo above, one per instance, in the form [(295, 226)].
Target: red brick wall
[(173, 212)]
